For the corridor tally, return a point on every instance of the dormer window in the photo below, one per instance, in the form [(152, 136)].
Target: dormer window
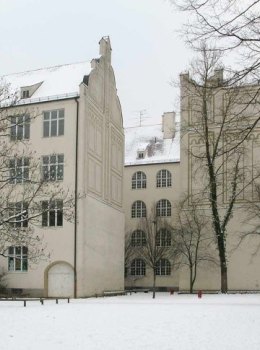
[(25, 94), (140, 154)]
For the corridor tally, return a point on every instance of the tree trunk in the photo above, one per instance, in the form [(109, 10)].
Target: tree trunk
[(223, 263), (224, 279), (154, 279), (191, 281)]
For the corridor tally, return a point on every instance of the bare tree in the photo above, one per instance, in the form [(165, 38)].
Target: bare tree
[(192, 238), (29, 192), (231, 26), (216, 131), (156, 249)]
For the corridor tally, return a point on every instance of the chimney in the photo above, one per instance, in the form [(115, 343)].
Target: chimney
[(168, 125)]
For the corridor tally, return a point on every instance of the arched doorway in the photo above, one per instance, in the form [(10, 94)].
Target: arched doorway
[(60, 280)]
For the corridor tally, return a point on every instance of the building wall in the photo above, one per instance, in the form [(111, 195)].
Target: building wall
[(100, 217), (243, 271), (150, 195)]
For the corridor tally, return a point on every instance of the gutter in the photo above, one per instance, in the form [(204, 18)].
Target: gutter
[(76, 198)]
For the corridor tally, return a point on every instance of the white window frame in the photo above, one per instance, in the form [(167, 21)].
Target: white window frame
[(163, 268), (51, 120), (20, 127), (163, 238), (138, 267), (138, 238), (138, 180), (17, 259), (52, 213), (164, 178), (163, 208), (53, 167), (18, 215), (138, 209), (19, 170)]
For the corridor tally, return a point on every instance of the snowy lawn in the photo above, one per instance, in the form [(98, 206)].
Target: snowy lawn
[(135, 322)]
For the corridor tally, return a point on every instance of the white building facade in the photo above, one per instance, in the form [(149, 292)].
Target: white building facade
[(76, 133)]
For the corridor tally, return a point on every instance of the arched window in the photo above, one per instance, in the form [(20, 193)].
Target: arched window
[(163, 267), (163, 238), (138, 180), (138, 267), (138, 209), (138, 238), (163, 208), (164, 178)]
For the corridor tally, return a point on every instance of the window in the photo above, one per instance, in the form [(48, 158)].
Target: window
[(163, 267), (164, 178), (138, 239), (163, 208), (25, 94), (138, 210), (20, 127), (53, 123), (18, 170), (53, 167), (18, 215), (163, 238), (138, 180), (138, 267), (17, 259), (52, 213), (140, 154)]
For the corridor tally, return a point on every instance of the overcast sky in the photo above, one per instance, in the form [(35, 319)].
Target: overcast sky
[(148, 52)]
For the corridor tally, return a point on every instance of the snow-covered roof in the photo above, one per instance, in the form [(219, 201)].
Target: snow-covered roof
[(149, 139), (54, 82)]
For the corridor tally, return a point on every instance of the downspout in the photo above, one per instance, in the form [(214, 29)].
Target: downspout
[(76, 198)]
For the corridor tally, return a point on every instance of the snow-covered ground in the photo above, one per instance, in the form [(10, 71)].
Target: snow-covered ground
[(135, 322)]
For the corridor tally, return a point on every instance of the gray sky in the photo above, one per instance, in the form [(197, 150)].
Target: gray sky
[(147, 51)]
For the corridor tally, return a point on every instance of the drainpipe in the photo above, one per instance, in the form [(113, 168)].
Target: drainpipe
[(76, 198)]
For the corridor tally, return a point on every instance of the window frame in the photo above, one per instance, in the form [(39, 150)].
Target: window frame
[(163, 178), (139, 180), (163, 267), (19, 259), (163, 238), (138, 210), (49, 166), (52, 122), (20, 127), (163, 208), (19, 173), (138, 238), (19, 221), (52, 213), (138, 267)]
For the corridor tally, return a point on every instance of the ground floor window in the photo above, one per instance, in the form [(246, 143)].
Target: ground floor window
[(138, 267), (17, 259), (163, 268)]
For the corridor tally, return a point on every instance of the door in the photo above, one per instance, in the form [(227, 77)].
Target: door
[(61, 280)]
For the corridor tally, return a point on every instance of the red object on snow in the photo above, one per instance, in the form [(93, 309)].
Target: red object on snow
[(199, 293)]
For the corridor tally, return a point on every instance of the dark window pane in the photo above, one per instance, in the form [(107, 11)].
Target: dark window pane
[(45, 218), (11, 264), (54, 128), (61, 127), (52, 218), (53, 115), (25, 265), (17, 264), (46, 129), (46, 115), (59, 218), (27, 131)]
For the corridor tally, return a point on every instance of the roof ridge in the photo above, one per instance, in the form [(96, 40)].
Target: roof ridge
[(49, 67)]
